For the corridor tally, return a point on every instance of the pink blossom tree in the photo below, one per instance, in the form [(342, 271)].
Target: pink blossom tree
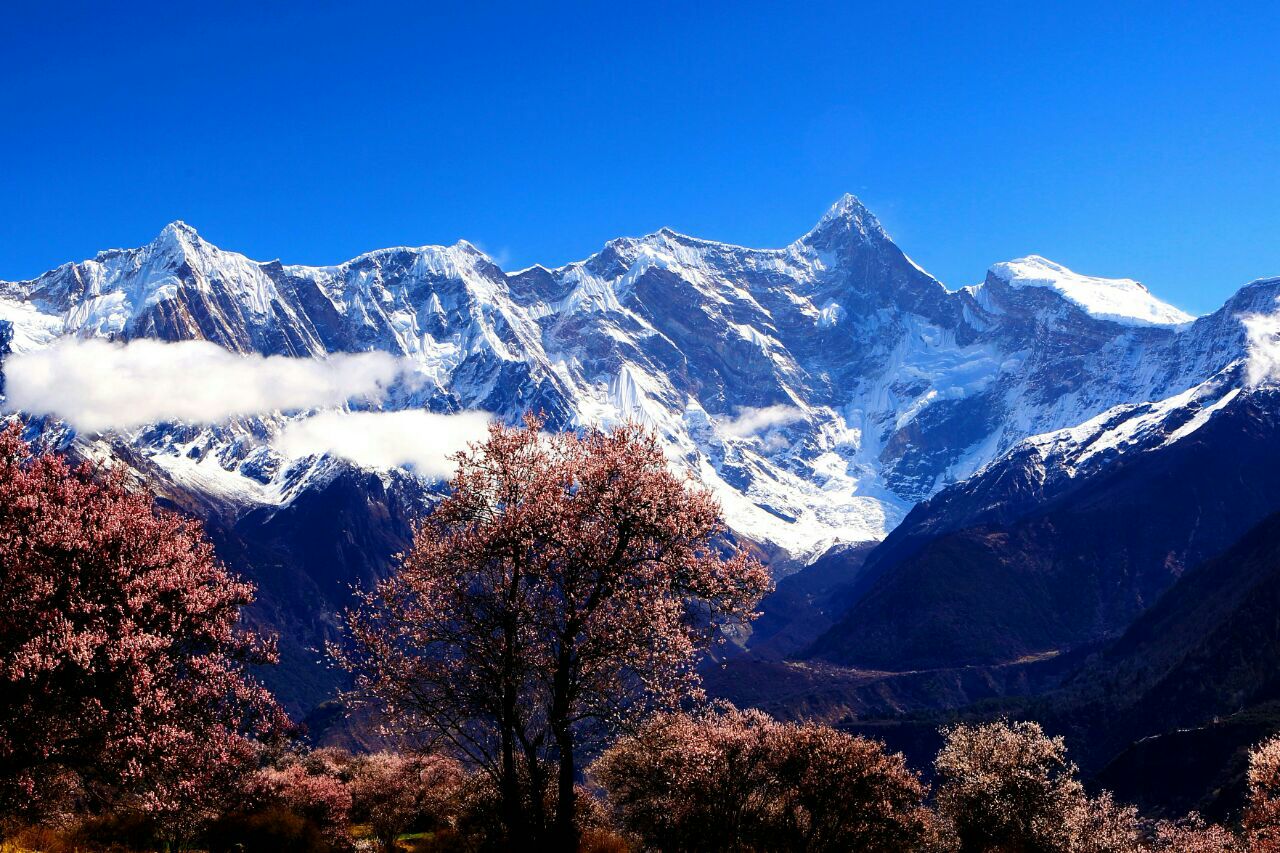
[(1192, 835), (566, 582), (319, 797), (1010, 787), (842, 792), (1007, 786), (694, 782), (121, 666)]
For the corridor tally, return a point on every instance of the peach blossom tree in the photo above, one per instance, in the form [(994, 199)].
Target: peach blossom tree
[(392, 792), (567, 582), (123, 673), (1262, 815)]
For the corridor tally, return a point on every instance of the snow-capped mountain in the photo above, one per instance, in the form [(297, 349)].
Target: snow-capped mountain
[(820, 389)]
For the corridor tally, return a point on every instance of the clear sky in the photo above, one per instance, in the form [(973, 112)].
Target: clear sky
[(1138, 140)]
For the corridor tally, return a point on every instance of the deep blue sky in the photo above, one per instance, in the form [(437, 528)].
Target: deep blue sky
[(1142, 141)]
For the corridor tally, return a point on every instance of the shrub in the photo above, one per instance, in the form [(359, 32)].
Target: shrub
[(1262, 816), (730, 780), (840, 792), (320, 799), (270, 829), (393, 792), (1009, 787), (1193, 835), (1101, 825)]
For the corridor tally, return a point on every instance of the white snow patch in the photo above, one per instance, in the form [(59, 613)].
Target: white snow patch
[(31, 327), (830, 315), (1122, 300)]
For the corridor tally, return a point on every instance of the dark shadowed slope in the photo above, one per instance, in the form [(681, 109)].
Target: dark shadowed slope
[(1172, 705), (1062, 543)]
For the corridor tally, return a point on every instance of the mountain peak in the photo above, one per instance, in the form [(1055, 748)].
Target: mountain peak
[(177, 226), (847, 215), (469, 248), (846, 205), (1121, 300), (176, 238)]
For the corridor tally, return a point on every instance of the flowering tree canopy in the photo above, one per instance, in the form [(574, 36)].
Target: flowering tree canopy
[(1006, 786), (122, 674), (566, 582), (309, 791), (1192, 835)]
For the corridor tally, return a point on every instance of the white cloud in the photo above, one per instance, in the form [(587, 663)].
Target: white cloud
[(1263, 333), (96, 385), (417, 439), (752, 421)]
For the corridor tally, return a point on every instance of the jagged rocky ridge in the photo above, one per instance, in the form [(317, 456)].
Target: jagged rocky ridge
[(887, 386)]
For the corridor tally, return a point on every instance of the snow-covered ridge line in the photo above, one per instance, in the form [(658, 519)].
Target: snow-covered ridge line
[(1145, 425), (1122, 300), (878, 386)]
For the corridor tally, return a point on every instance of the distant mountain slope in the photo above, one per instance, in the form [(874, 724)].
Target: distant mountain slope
[(805, 604), (1208, 648), (1067, 538)]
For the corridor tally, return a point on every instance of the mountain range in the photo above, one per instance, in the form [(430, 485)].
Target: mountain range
[(966, 494), (820, 389)]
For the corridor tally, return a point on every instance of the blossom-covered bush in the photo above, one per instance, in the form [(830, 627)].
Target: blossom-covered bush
[(298, 801), (392, 792), (1101, 825), (321, 798), (1262, 817), (1007, 786), (1193, 835), (123, 676), (841, 792), (731, 780)]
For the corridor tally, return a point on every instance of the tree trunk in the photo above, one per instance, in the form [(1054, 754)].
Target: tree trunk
[(566, 802), (566, 828), (512, 808), (512, 812)]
